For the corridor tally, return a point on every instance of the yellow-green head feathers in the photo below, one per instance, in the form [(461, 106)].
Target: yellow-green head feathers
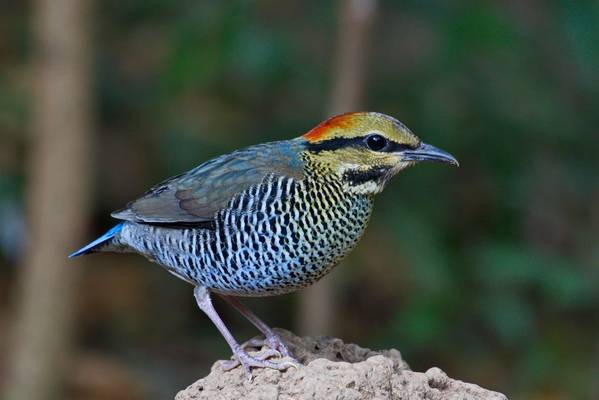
[(365, 149), (356, 124)]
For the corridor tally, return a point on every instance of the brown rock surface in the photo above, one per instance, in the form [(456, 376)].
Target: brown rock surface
[(335, 370)]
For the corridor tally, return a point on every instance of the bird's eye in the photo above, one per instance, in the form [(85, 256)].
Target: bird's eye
[(376, 142)]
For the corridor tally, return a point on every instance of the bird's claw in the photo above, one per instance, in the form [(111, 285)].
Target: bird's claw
[(274, 342), (241, 357), (255, 343)]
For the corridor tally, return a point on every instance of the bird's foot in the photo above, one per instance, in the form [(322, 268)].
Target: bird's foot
[(241, 357), (274, 342)]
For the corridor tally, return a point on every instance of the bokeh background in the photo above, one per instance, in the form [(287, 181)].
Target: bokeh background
[(489, 271)]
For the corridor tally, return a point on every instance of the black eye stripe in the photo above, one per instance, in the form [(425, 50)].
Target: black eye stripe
[(394, 147), (360, 141)]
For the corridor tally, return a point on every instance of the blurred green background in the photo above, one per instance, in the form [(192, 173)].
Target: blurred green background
[(489, 271)]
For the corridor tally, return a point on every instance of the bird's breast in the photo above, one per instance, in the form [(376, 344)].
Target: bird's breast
[(287, 234)]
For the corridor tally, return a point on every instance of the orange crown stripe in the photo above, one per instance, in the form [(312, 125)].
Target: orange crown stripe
[(321, 131)]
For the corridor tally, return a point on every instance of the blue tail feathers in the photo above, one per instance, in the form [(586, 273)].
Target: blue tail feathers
[(99, 241)]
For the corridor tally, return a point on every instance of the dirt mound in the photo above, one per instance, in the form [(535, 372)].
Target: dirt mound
[(335, 370)]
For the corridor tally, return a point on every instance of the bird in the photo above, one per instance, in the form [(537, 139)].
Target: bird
[(268, 219)]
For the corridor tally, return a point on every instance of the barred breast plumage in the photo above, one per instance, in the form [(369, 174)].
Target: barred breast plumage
[(275, 237)]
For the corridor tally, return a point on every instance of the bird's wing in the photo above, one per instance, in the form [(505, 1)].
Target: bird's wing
[(196, 196)]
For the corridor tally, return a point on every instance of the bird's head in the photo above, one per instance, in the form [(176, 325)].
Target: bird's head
[(365, 149)]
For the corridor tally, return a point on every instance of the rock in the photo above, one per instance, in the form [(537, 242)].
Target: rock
[(335, 370)]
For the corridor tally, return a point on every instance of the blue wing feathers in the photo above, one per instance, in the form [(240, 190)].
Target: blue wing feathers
[(99, 241)]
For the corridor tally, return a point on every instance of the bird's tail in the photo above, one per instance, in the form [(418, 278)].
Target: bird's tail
[(99, 242)]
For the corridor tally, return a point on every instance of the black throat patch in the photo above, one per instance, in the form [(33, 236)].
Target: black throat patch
[(356, 178)]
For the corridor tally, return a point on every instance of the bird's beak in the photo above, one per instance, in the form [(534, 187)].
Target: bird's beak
[(426, 152)]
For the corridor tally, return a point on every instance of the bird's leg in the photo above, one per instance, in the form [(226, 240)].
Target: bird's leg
[(202, 296), (271, 339)]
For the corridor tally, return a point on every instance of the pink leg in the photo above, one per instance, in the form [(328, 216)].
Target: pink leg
[(272, 340), (202, 296)]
